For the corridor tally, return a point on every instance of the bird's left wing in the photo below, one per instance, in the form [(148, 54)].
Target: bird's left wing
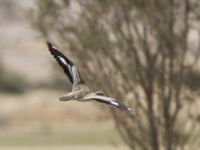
[(67, 65), (108, 100)]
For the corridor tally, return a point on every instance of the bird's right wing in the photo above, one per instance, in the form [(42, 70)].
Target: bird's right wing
[(108, 100), (67, 65)]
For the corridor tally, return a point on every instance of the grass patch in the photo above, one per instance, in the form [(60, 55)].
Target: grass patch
[(73, 135)]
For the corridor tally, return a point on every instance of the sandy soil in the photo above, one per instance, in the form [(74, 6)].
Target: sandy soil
[(65, 148)]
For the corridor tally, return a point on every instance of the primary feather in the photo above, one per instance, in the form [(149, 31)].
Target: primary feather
[(67, 65)]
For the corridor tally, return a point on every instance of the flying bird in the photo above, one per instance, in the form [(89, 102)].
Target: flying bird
[(80, 91)]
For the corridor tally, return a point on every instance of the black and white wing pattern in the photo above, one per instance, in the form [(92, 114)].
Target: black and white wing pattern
[(108, 100), (67, 65)]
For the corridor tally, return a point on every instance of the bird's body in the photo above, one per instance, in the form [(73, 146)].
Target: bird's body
[(80, 91)]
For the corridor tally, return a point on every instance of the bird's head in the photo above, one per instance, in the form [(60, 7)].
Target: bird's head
[(99, 93)]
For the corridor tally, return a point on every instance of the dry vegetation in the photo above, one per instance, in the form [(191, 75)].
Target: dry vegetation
[(148, 60), (38, 118), (65, 148)]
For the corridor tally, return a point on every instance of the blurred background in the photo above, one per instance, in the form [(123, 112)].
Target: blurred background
[(144, 53)]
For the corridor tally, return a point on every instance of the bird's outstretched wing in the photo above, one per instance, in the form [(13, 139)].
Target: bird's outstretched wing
[(108, 100), (67, 65)]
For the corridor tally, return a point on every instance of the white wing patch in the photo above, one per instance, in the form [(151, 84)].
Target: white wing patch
[(72, 69), (63, 60), (129, 109), (114, 103), (54, 47)]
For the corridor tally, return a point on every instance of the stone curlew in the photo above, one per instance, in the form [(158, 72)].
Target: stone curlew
[(80, 91)]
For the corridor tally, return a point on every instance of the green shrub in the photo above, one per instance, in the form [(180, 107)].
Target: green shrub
[(11, 82), (192, 79)]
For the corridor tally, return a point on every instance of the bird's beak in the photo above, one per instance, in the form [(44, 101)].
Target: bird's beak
[(65, 98)]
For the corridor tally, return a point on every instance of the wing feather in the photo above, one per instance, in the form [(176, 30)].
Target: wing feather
[(110, 101), (67, 65)]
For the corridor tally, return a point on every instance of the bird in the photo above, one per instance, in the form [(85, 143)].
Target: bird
[(80, 90)]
